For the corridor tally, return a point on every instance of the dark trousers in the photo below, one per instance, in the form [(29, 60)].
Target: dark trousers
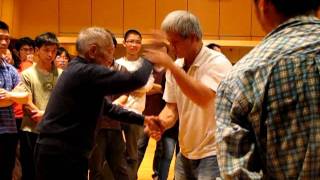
[(8, 145), (55, 162), (107, 160), (27, 145), (132, 135)]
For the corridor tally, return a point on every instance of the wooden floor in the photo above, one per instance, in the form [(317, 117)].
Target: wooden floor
[(145, 170)]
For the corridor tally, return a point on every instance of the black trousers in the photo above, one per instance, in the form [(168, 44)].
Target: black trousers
[(27, 144), (8, 145), (107, 161), (58, 162)]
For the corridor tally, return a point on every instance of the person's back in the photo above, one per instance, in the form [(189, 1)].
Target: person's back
[(272, 107)]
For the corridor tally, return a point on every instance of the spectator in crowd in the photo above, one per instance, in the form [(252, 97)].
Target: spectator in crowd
[(169, 141), (62, 58), (135, 100), (25, 49), (9, 79), (38, 81), (267, 108)]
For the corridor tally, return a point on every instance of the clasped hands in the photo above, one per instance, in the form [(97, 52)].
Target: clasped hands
[(154, 126)]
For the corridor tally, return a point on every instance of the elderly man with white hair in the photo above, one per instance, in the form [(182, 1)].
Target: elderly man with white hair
[(67, 129)]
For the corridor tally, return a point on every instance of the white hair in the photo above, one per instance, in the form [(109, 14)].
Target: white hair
[(92, 35), (182, 22)]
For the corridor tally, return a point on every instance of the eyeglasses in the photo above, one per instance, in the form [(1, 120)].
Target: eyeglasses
[(27, 49), (133, 42)]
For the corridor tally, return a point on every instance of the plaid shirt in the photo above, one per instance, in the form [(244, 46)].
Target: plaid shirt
[(268, 107), (9, 78)]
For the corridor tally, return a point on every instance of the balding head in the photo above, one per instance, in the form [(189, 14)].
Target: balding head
[(92, 42)]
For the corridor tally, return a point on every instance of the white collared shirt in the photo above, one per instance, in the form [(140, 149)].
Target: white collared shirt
[(197, 125)]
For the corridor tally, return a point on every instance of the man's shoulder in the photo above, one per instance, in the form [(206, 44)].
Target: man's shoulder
[(29, 70)]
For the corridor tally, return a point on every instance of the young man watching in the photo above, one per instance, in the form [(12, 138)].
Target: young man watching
[(38, 81), (267, 108), (136, 100)]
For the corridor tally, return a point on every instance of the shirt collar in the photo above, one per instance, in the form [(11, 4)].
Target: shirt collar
[(295, 21), (198, 59)]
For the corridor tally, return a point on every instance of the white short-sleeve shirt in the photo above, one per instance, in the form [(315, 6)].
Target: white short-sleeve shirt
[(136, 103), (197, 124)]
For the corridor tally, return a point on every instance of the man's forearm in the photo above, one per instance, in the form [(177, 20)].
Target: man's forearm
[(169, 115), (195, 90), (19, 97)]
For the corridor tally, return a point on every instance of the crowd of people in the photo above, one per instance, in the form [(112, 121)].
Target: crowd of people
[(257, 119)]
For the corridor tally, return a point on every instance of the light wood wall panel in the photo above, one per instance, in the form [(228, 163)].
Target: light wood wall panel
[(140, 15), (163, 7), (235, 18), (208, 13), (1, 8), (74, 15), (7, 7), (108, 14), (220, 19), (36, 17)]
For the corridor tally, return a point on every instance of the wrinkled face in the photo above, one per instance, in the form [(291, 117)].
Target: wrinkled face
[(180, 45), (25, 51), (4, 41), (61, 61), (104, 56), (47, 53), (133, 44)]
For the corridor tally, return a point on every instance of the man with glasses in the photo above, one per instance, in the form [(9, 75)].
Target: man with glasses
[(25, 48), (135, 100)]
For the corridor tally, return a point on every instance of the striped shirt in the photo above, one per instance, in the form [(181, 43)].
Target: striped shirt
[(268, 107), (9, 78)]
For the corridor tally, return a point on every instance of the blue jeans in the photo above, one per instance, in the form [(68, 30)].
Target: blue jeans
[(162, 155), (168, 146), (200, 169)]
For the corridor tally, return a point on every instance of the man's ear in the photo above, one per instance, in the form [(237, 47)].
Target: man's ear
[(262, 5), (36, 50), (92, 51)]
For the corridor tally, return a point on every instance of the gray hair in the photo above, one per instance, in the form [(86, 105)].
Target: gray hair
[(182, 22), (92, 35)]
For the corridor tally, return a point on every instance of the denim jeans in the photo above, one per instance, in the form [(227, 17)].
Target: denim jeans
[(168, 144), (162, 156), (200, 169)]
